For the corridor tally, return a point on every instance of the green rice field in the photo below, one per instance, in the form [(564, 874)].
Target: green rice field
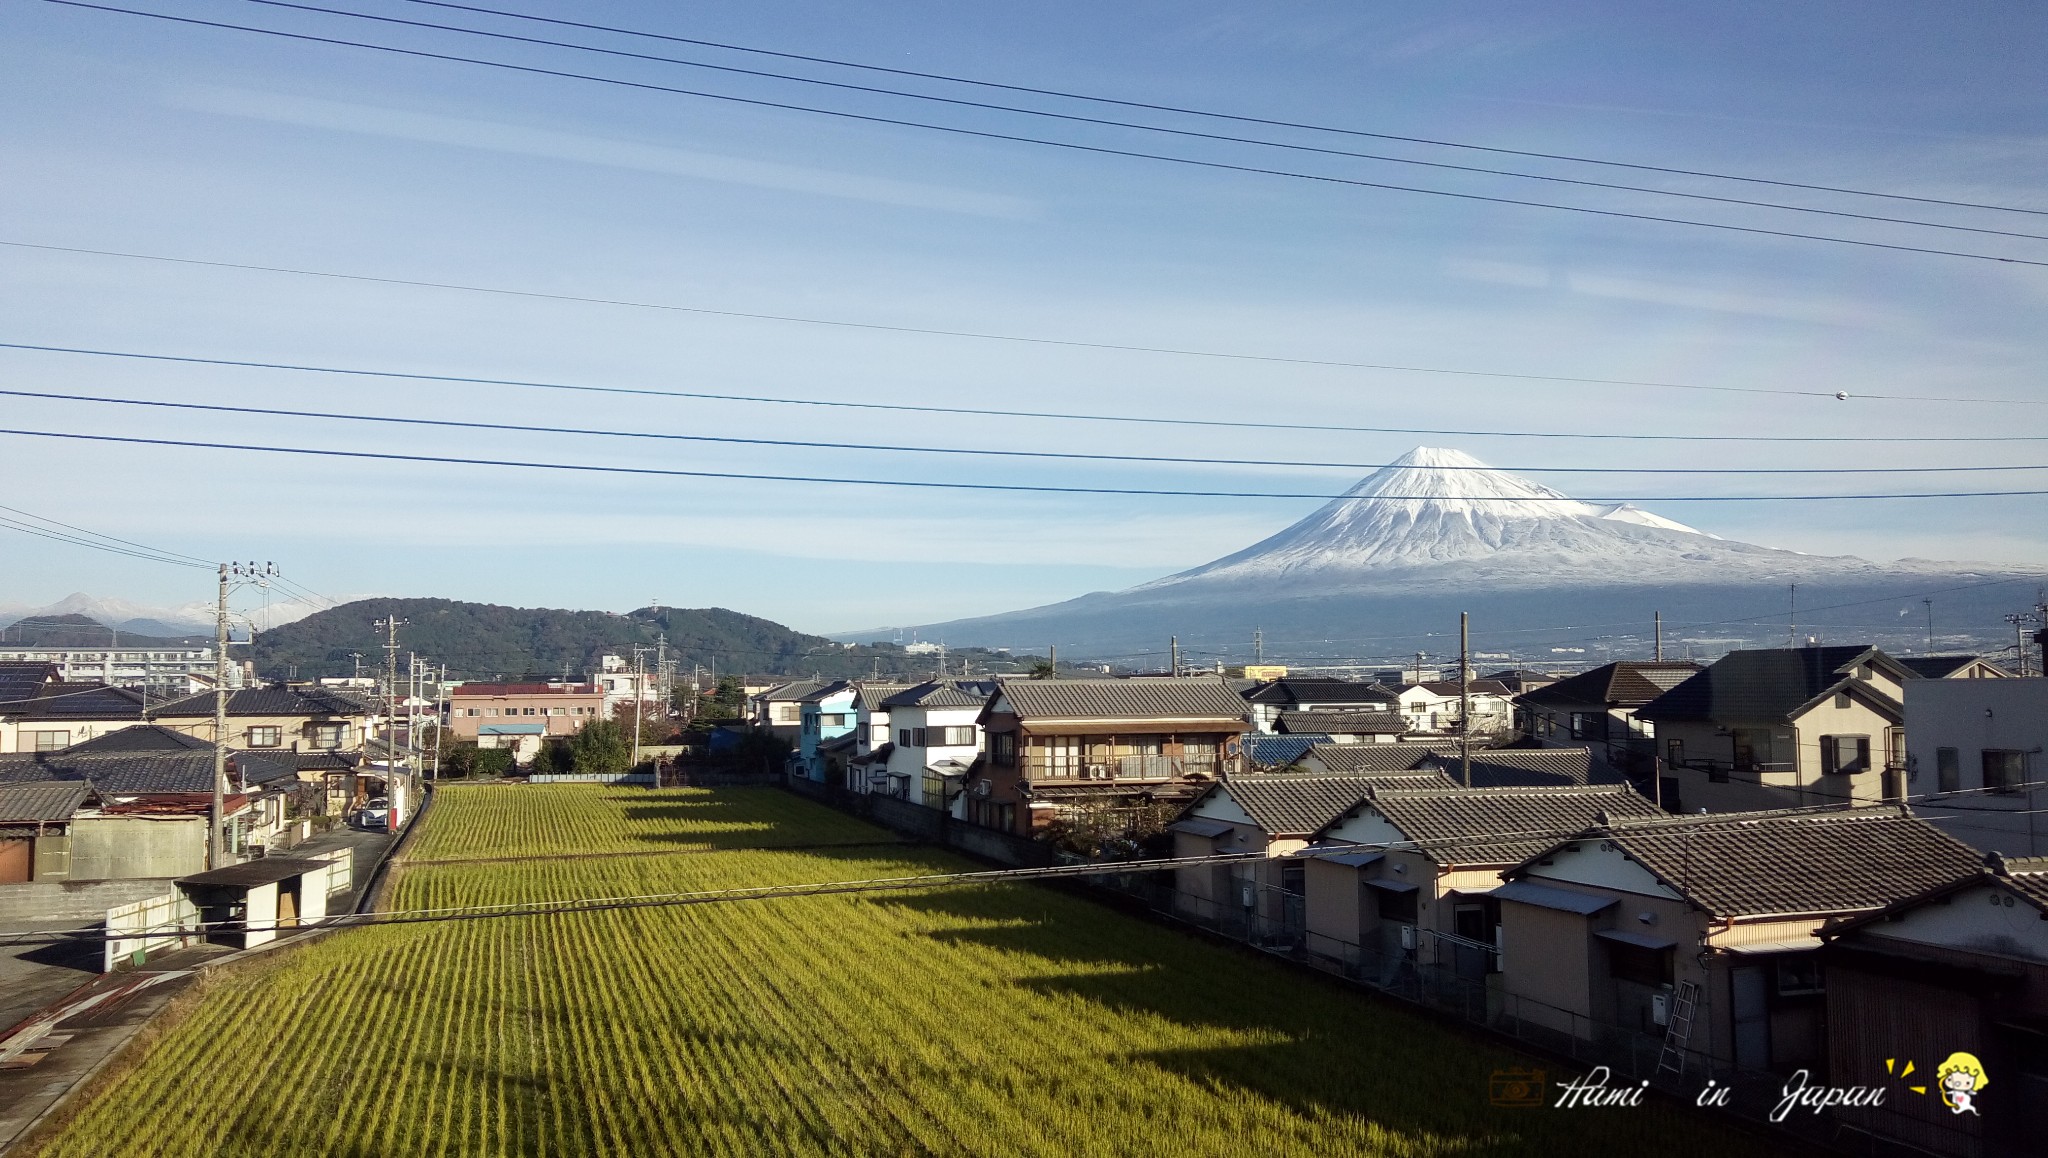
[(983, 1020)]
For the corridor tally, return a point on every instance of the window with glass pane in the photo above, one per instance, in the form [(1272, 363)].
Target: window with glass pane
[(2004, 769), (265, 737), (1948, 770)]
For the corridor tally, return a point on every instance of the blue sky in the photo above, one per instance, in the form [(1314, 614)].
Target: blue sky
[(136, 135)]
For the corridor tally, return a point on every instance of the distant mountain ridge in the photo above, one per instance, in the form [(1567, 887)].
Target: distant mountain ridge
[(1387, 567), (489, 641)]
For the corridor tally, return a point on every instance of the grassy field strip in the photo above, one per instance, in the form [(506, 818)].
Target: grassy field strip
[(503, 821), (992, 1020)]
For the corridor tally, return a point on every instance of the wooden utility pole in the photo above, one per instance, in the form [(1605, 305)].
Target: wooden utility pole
[(220, 724), (392, 770), (1465, 697), (1660, 637)]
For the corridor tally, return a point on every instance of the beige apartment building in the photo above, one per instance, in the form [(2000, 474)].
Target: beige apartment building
[(499, 714)]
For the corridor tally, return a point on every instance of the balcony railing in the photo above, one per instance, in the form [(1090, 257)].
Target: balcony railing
[(1122, 768)]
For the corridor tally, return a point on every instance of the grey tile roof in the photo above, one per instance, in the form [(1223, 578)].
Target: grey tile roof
[(1198, 698), (1525, 767), (20, 681), (940, 694), (824, 692), (41, 801), (1763, 685), (144, 770), (249, 874), (77, 700), (138, 738), (1290, 691), (1625, 684), (869, 696), (2025, 877), (271, 701), (1472, 826), (1296, 804), (1478, 688), (1342, 723), (1371, 757), (1751, 864), (1936, 667), (794, 690)]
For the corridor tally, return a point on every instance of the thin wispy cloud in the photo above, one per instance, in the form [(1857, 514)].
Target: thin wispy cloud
[(575, 148)]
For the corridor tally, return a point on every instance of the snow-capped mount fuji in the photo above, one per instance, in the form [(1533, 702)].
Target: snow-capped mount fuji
[(1434, 506), (1398, 556)]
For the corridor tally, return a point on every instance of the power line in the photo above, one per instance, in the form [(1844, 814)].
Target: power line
[(1240, 118), (1149, 128), (471, 380), (80, 541), (194, 559), (840, 323), (890, 448), (1024, 488), (1074, 146)]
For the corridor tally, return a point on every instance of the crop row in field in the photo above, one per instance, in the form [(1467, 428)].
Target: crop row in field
[(474, 821), (993, 1020)]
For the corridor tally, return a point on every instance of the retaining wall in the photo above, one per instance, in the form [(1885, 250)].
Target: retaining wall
[(58, 901)]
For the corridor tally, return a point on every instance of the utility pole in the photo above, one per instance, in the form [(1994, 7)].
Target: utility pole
[(1258, 647), (1660, 637), (220, 724), (357, 677), (1465, 697), (1173, 647), (1792, 623), (1052, 659), (215, 830), (390, 624), (639, 703), (2019, 621), (1930, 625)]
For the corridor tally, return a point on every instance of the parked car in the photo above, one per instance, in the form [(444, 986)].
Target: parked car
[(375, 814)]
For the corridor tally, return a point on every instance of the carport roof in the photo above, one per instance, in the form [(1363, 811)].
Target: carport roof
[(249, 874)]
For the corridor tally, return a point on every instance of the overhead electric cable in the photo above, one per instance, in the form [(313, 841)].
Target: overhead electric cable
[(981, 412), (990, 106), (77, 541), (839, 323), (1025, 488), (1102, 150), (1214, 114), (897, 448), (193, 559)]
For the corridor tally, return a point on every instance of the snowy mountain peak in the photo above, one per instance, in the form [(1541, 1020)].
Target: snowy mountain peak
[(1435, 506)]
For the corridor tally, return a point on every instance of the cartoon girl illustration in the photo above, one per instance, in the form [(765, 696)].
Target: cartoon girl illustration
[(1961, 1077)]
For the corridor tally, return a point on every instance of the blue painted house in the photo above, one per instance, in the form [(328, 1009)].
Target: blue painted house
[(826, 715)]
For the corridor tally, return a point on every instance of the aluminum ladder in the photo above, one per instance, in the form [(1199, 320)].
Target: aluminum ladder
[(1678, 1029)]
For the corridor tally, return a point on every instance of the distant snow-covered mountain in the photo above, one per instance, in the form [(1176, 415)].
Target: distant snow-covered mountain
[(143, 619), (1438, 530)]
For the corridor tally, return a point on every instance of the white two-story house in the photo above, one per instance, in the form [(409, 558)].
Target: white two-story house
[(936, 742)]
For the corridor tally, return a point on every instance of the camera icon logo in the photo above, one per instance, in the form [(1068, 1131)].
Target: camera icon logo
[(1515, 1088)]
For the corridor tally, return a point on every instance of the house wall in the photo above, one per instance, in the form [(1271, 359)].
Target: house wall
[(1953, 714), (562, 714), (295, 732), (17, 734), (114, 847), (1546, 962), (1331, 909), (908, 761)]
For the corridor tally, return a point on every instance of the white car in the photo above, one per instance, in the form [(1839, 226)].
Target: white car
[(375, 814)]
